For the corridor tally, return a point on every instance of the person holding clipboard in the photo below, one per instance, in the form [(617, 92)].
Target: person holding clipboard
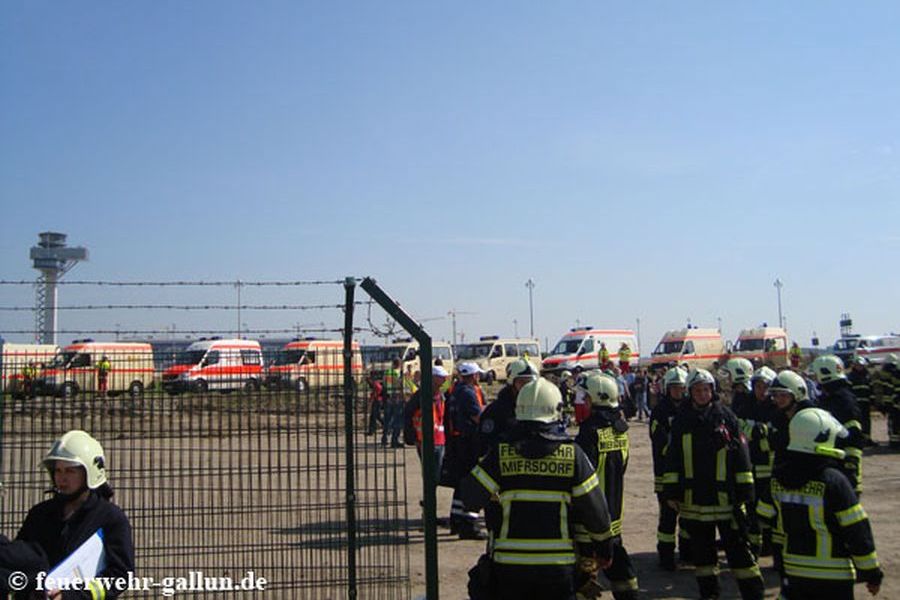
[(79, 512)]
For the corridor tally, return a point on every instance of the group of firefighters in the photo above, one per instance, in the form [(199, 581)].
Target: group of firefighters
[(777, 471)]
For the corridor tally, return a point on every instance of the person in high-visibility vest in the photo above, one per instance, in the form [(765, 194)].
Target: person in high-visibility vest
[(392, 390), (827, 539), (796, 354), (625, 358), (542, 484), (709, 480), (412, 418), (604, 439), (603, 356), (103, 369), (29, 374)]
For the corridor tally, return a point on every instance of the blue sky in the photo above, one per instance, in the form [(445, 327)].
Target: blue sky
[(658, 160)]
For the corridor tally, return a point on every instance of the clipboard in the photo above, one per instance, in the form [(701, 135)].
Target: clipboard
[(84, 563)]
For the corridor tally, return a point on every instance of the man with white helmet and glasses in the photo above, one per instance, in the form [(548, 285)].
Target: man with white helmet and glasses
[(838, 399), (80, 508), (661, 418), (604, 438), (544, 484), (709, 481), (827, 540)]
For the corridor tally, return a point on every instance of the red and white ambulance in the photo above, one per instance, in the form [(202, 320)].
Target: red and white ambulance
[(694, 347), (310, 363), (762, 346), (216, 364), (578, 349)]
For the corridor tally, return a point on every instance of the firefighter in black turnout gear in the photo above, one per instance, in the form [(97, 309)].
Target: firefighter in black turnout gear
[(545, 486), (661, 418), (604, 439), (838, 399), (861, 385), (828, 543), (708, 479), (499, 417)]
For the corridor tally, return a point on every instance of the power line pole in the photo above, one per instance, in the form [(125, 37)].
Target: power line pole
[(778, 285), (530, 285)]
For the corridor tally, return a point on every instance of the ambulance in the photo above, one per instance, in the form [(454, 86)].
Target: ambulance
[(216, 364), (310, 363), (874, 348), (762, 346), (494, 355), (695, 347), (407, 350), (74, 370), (577, 350), (14, 357)]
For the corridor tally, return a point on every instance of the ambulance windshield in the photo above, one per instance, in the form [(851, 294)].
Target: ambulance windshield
[(669, 347), (192, 357), (749, 345), (567, 346), (289, 357)]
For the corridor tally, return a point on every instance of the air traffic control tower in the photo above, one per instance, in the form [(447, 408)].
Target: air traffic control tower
[(53, 259)]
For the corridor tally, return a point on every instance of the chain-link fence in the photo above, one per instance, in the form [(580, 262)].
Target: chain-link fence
[(229, 456)]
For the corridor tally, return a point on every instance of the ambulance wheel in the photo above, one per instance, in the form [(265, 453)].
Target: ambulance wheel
[(136, 390), (69, 390), (201, 387), (300, 386), (489, 377)]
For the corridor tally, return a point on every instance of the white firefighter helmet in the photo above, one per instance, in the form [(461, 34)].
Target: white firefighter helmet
[(740, 369), (813, 431), (790, 382), (674, 376), (828, 368), (79, 447), (539, 401), (764, 374), (602, 390)]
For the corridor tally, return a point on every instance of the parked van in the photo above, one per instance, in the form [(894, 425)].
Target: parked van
[(74, 370), (762, 345), (577, 350), (216, 364), (14, 357), (407, 350), (310, 364), (875, 348), (494, 354), (697, 348)]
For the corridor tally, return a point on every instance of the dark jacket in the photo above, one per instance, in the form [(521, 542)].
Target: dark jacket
[(838, 399), (498, 418), (603, 437), (661, 418), (58, 538), (22, 557)]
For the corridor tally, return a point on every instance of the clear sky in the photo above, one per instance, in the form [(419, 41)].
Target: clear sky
[(653, 160)]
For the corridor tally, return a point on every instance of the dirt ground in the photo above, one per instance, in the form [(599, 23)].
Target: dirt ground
[(881, 500)]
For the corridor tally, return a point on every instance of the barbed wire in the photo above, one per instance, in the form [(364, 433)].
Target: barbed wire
[(186, 307), (175, 283)]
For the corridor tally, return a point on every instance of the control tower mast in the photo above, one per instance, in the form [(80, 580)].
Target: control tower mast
[(53, 259)]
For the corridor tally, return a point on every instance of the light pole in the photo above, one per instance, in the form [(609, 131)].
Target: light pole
[(238, 286), (778, 285), (719, 319), (516, 328), (530, 285), (639, 333)]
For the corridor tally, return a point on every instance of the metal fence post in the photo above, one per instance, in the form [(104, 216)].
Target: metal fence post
[(349, 397)]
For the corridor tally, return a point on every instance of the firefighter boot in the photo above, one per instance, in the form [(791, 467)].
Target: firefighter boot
[(666, 553), (685, 552), (709, 587), (752, 588)]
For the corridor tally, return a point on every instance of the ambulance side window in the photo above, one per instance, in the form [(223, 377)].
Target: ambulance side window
[(496, 351), (588, 346), (212, 358), (511, 350), (81, 360), (688, 348), (251, 357)]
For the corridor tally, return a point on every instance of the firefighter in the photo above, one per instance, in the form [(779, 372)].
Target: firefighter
[(861, 384), (625, 358), (79, 508), (543, 482), (828, 543), (796, 354), (709, 480), (604, 439), (890, 385), (762, 457), (838, 399), (499, 417), (661, 418), (743, 403), (463, 413)]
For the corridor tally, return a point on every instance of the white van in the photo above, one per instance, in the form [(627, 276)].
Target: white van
[(216, 364), (874, 348), (494, 354), (407, 350), (762, 346), (13, 359), (74, 370), (695, 347), (311, 363), (577, 350)]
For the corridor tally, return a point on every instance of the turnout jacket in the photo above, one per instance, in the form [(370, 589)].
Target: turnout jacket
[(661, 418), (58, 538), (839, 400), (604, 439), (861, 384), (498, 418), (708, 468), (824, 529), (545, 486)]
